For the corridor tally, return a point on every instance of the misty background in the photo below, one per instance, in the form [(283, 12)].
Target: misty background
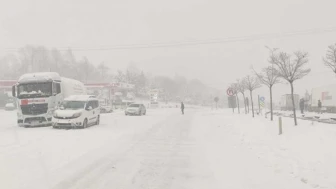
[(214, 41)]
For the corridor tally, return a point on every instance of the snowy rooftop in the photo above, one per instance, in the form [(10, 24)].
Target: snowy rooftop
[(39, 76)]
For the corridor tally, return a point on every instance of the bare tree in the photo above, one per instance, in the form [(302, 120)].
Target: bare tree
[(103, 69), (85, 66), (120, 77), (268, 77), (290, 69), (235, 87), (241, 89), (251, 83), (330, 58)]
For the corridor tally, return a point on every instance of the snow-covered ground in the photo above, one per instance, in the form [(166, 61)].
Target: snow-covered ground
[(203, 149)]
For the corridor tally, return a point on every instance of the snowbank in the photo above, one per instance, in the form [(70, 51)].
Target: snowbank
[(304, 153)]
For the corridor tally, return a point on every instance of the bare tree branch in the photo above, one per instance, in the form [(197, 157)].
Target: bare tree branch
[(330, 58), (251, 83), (290, 69), (240, 86), (268, 76), (235, 88)]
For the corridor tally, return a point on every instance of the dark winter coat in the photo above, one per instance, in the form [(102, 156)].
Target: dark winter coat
[(182, 106), (301, 104), (319, 104)]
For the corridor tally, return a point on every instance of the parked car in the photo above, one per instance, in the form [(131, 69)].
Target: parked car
[(10, 106), (106, 109), (78, 111), (136, 109)]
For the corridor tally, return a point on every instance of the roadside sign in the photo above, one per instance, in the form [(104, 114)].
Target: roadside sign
[(232, 102), (262, 99), (229, 92), (262, 104)]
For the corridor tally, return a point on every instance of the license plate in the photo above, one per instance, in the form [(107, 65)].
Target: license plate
[(63, 121)]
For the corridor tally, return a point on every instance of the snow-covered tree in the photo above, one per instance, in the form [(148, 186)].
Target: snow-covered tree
[(330, 59), (290, 69), (269, 77), (251, 83)]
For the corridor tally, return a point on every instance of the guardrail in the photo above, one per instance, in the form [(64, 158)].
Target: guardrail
[(309, 118)]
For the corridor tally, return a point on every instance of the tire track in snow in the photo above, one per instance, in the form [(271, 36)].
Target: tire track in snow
[(147, 162)]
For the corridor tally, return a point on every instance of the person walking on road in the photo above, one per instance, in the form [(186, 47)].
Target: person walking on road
[(301, 105), (182, 108), (247, 104), (319, 104)]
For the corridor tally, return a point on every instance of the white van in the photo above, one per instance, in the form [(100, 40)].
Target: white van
[(77, 111)]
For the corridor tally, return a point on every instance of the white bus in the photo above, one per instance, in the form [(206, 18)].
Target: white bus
[(39, 94)]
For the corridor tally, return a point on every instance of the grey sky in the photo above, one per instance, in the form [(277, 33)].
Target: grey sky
[(94, 24)]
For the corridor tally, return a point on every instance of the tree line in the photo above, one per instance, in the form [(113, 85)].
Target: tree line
[(283, 66), (41, 59)]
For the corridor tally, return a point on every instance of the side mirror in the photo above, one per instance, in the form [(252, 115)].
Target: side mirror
[(13, 91), (89, 108)]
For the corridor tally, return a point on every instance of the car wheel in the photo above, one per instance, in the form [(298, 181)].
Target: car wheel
[(85, 122), (144, 113), (98, 120)]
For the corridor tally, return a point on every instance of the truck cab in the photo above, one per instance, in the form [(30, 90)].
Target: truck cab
[(39, 94)]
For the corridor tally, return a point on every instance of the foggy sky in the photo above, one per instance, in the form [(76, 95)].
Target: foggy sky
[(94, 24)]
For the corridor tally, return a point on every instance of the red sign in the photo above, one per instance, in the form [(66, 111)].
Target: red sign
[(326, 96), (24, 102), (30, 101), (230, 92), (7, 82)]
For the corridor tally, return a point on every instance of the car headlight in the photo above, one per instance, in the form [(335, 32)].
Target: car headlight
[(76, 115)]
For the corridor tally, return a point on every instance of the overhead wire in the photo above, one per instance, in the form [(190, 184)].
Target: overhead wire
[(195, 42)]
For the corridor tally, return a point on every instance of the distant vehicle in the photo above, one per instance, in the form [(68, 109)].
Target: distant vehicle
[(10, 106), (39, 94), (154, 104), (78, 111), (287, 103), (106, 109), (136, 109), (105, 106), (102, 91)]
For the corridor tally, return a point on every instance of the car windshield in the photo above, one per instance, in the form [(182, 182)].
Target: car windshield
[(32, 90), (73, 105), (134, 105)]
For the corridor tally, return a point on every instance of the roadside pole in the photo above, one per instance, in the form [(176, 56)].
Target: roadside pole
[(280, 125), (259, 104)]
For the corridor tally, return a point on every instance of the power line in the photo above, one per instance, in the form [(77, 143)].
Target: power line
[(198, 42)]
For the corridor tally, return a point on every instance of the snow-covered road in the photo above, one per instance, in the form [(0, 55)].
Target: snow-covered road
[(203, 149)]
